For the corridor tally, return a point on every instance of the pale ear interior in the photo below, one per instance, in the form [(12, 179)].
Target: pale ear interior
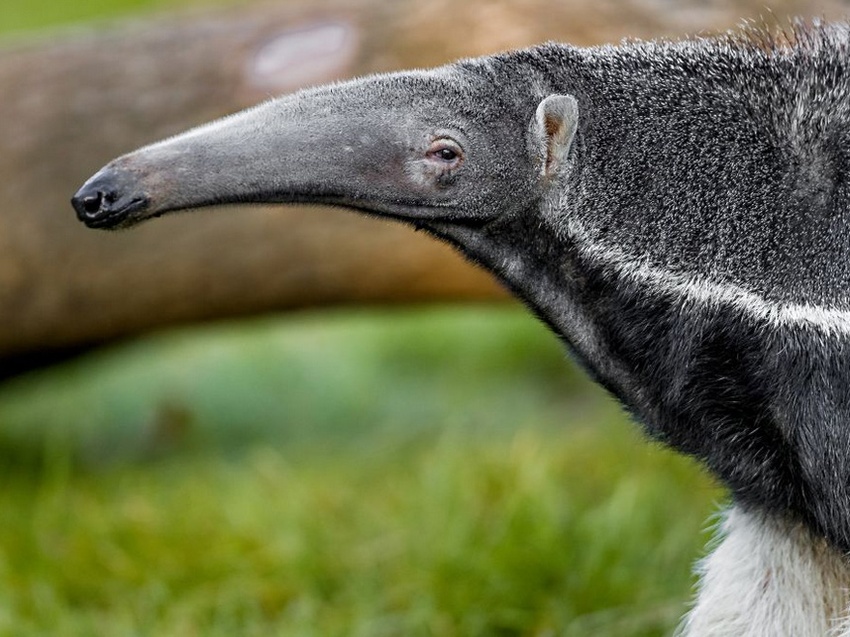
[(554, 128)]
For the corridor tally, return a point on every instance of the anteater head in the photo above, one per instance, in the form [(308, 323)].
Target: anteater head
[(450, 145)]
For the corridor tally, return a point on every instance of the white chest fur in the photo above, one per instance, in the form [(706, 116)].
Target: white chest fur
[(769, 577)]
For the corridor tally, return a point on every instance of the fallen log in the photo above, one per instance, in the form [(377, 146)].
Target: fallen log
[(71, 101)]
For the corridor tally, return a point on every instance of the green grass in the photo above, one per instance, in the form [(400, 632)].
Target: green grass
[(299, 383), (528, 534), (22, 16), (435, 473)]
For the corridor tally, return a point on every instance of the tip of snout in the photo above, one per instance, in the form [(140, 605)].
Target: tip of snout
[(107, 200)]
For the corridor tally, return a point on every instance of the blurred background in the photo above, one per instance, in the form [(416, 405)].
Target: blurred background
[(299, 421)]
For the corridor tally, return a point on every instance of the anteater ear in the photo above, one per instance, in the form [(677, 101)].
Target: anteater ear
[(552, 131)]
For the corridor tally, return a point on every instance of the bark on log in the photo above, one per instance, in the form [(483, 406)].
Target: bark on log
[(72, 100)]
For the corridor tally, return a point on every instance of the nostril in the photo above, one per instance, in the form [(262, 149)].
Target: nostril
[(93, 203), (109, 198)]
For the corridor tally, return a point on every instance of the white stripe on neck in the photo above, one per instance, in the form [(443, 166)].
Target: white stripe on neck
[(695, 289)]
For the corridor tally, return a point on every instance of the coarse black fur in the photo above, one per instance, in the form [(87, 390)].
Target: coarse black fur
[(719, 163), (691, 247)]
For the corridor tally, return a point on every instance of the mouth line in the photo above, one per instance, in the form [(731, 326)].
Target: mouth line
[(405, 210), (410, 211), (114, 218)]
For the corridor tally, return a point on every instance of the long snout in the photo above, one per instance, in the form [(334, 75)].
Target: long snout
[(291, 150), (231, 160)]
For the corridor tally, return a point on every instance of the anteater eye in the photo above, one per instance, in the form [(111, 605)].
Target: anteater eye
[(446, 151)]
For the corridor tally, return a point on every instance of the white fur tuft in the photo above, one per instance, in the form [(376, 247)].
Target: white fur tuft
[(770, 577)]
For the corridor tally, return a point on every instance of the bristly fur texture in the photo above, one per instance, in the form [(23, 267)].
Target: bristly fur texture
[(699, 257)]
